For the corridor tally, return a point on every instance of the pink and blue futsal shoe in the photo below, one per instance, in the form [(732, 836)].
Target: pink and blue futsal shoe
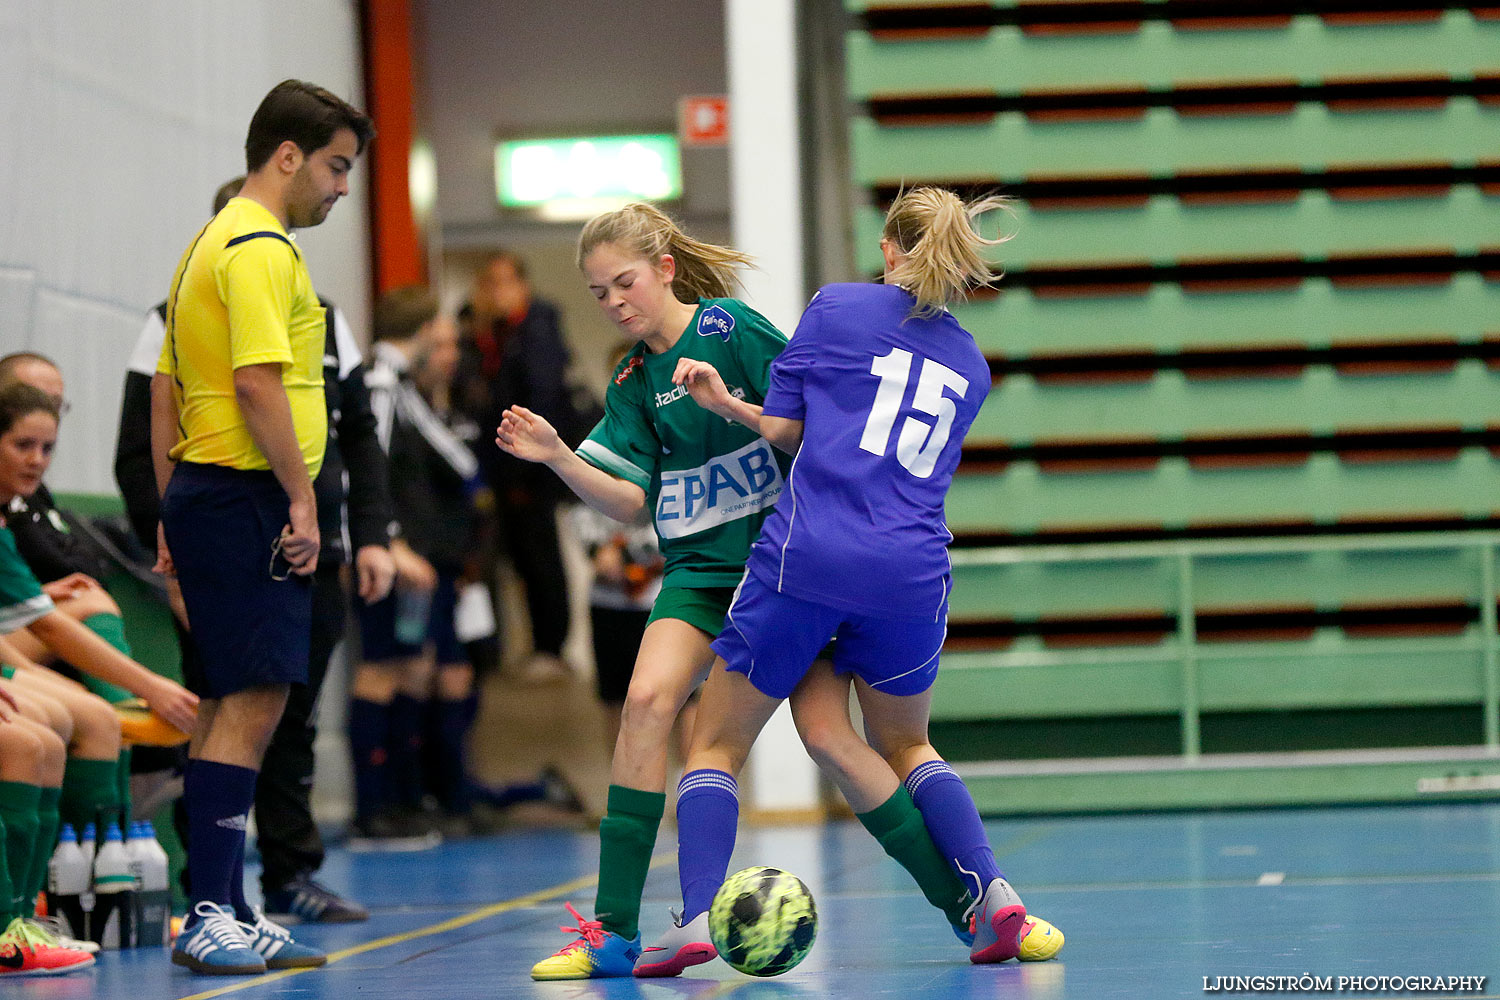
[(595, 954)]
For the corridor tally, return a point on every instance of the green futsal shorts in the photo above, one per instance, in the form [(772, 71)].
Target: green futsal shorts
[(703, 608)]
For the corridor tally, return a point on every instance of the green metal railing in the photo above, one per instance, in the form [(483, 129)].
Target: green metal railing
[(1189, 654)]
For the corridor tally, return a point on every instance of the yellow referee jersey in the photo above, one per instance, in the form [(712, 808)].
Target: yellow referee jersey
[(242, 296)]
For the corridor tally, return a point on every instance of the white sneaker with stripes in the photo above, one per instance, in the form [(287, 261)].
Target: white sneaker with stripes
[(213, 943), (275, 944)]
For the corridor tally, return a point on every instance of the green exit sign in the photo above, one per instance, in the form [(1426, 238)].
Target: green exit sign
[(533, 173)]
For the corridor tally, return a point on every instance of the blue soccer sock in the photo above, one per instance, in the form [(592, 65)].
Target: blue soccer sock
[(951, 817), (369, 734), (404, 751), (471, 709), (507, 795), (242, 910), (452, 732), (218, 798), (708, 810)]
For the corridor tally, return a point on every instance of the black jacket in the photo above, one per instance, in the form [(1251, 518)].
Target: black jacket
[(433, 468), (51, 542), (532, 372), (352, 448)]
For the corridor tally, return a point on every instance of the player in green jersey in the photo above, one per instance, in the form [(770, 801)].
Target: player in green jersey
[(710, 483)]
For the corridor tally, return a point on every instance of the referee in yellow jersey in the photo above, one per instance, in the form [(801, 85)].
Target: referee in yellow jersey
[(238, 428)]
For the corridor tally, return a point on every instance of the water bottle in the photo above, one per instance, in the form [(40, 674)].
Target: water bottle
[(86, 844), (110, 925), (153, 905), (413, 607), (135, 858), (68, 883)]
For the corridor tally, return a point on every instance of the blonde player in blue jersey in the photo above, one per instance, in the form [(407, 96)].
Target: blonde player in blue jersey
[(710, 483), (874, 394)]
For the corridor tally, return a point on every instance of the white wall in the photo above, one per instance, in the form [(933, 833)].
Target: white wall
[(119, 121), (540, 67)]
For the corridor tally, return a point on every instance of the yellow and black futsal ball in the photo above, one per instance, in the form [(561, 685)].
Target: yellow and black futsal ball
[(763, 921)]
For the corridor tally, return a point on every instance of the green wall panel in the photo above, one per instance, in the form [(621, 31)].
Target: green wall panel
[(1219, 787), (1158, 55), (1161, 142), (1018, 324), (1170, 406), (1170, 695), (1023, 498), (1315, 226), (1365, 673), (1082, 689), (1320, 580)]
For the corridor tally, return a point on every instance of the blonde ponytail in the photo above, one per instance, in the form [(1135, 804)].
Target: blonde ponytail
[(704, 270), (939, 239)]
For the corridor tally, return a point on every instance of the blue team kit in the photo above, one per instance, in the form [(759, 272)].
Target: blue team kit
[(885, 398)]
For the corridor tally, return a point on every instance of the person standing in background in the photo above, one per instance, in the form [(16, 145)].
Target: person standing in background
[(433, 476), (513, 354), (238, 432), (354, 516)]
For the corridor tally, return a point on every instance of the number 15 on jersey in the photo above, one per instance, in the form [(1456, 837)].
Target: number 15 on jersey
[(920, 443)]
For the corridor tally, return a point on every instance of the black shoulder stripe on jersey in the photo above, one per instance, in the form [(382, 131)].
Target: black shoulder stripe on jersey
[(169, 320), (257, 235)]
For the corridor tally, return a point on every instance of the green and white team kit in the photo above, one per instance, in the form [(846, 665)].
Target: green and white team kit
[(710, 481)]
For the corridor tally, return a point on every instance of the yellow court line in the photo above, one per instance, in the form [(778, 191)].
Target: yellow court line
[(1025, 839), (463, 920)]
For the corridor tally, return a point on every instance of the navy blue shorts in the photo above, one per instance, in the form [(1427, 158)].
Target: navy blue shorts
[(772, 639), (222, 526), (381, 638)]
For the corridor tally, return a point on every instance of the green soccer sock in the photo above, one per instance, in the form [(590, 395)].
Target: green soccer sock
[(5, 880), (110, 628), (90, 787), (627, 835), (897, 825), (18, 811), (49, 822)]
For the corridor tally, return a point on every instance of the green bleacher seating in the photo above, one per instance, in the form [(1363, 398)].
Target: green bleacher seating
[(1241, 456)]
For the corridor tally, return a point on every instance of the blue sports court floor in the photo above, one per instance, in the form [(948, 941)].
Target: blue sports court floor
[(1150, 904)]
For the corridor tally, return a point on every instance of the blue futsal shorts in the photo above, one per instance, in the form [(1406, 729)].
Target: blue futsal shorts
[(387, 631), (250, 618), (772, 639)]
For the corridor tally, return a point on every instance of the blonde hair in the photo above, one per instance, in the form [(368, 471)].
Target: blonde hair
[(939, 238), (703, 269)]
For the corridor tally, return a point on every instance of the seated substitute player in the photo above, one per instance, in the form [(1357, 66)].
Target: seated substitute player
[(69, 566), (874, 393), (29, 809), (28, 431), (90, 792), (31, 764)]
